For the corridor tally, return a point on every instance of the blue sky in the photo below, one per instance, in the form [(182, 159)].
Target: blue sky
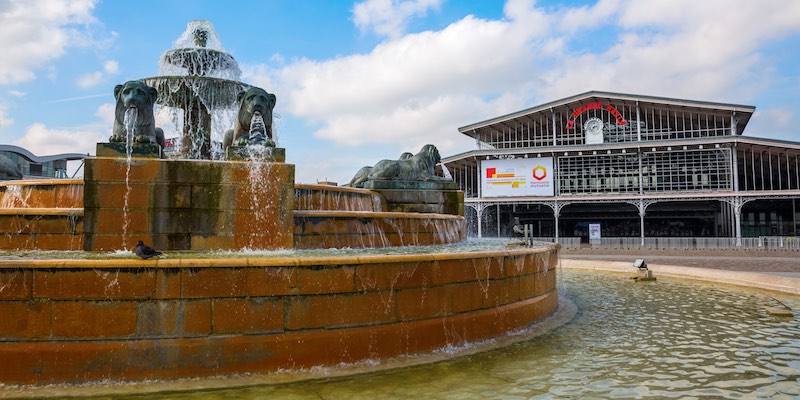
[(362, 81)]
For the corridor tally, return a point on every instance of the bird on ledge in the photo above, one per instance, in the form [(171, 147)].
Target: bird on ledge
[(145, 251)]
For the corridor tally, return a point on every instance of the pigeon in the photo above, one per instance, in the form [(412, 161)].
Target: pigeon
[(145, 252)]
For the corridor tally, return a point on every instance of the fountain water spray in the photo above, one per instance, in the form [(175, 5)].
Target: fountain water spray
[(197, 88), (129, 122)]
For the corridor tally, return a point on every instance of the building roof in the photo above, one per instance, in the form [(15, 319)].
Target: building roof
[(42, 159), (470, 156), (743, 112)]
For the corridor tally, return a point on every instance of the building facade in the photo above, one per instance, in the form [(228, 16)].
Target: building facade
[(37, 167), (605, 164)]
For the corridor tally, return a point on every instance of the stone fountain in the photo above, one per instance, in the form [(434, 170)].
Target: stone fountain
[(90, 316)]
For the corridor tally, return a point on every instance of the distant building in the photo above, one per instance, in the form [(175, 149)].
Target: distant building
[(604, 164), (34, 167)]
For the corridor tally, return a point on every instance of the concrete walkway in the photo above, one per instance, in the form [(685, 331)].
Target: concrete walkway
[(772, 270)]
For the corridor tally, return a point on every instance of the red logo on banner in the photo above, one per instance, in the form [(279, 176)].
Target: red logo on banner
[(539, 173), (490, 172)]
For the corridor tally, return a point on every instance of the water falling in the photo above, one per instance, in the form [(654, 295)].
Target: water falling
[(197, 89), (446, 172), (129, 122), (14, 196)]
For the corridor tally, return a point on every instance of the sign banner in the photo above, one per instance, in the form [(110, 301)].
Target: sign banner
[(594, 231), (517, 177)]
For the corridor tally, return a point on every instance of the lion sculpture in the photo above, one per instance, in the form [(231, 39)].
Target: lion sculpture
[(136, 95), (420, 167), (363, 174), (9, 169), (251, 102)]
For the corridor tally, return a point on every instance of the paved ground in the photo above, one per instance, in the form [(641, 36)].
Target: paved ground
[(786, 263)]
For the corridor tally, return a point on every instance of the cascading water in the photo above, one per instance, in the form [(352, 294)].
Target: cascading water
[(446, 172), (259, 170), (129, 122), (15, 197), (197, 89)]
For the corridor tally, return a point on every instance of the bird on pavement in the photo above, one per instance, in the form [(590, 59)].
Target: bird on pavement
[(145, 251)]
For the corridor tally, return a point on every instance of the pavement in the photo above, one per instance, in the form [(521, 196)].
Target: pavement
[(777, 271), (783, 263)]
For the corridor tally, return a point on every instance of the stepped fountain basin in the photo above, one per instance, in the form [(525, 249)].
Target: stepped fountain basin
[(45, 193), (76, 321), (209, 205)]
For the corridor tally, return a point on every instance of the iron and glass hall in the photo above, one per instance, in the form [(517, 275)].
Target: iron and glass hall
[(603, 165)]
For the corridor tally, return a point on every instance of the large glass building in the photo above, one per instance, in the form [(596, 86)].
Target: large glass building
[(39, 167), (620, 165)]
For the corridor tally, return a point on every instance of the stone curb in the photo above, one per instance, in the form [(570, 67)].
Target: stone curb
[(775, 283)]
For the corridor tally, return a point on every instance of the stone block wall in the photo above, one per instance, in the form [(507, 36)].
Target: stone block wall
[(340, 229), (50, 193), (88, 320), (43, 229), (336, 198), (187, 205), (424, 201)]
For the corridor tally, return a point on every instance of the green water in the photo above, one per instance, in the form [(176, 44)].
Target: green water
[(666, 339)]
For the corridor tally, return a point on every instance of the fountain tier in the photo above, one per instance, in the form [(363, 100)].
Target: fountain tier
[(90, 320)]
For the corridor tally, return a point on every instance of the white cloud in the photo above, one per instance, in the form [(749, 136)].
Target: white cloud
[(42, 140), (35, 32), (704, 50), (17, 93), (105, 114), (110, 68), (776, 123), (420, 87), (390, 17), (5, 120)]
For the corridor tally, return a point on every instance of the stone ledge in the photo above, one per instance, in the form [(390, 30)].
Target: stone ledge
[(417, 185), (139, 150)]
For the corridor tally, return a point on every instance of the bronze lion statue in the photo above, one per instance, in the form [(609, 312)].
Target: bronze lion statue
[(136, 95), (363, 174), (251, 102), (420, 167)]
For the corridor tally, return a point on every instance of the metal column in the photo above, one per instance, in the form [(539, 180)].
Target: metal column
[(641, 220)]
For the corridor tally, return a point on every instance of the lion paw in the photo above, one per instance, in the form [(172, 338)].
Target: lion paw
[(142, 139)]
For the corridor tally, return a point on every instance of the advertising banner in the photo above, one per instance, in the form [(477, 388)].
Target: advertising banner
[(594, 231), (517, 177)]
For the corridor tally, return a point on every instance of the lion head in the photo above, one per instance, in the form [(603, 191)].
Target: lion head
[(252, 101), (136, 95), (430, 155)]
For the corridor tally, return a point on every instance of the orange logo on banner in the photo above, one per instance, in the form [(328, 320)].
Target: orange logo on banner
[(539, 173)]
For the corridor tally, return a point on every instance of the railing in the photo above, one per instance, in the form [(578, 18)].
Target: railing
[(565, 242), (786, 243)]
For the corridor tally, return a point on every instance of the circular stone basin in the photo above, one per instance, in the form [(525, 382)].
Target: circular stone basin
[(180, 91), (200, 61), (668, 339)]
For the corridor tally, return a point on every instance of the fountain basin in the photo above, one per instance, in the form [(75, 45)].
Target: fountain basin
[(50, 193), (76, 321), (325, 197), (362, 229)]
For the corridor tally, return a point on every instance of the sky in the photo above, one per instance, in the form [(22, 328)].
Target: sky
[(361, 81)]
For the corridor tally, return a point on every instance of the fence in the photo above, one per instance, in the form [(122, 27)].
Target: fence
[(785, 243), (781, 243)]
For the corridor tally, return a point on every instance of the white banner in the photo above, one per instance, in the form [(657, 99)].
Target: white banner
[(517, 177), (594, 231)]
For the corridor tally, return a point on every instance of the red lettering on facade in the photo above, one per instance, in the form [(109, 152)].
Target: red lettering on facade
[(595, 105)]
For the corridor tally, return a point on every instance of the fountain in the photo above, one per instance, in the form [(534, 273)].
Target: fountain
[(241, 289), (198, 79)]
